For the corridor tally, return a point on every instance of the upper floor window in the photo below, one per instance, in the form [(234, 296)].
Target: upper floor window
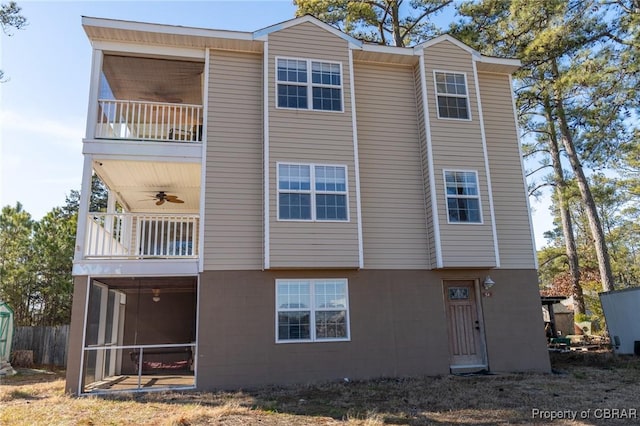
[(312, 310), (463, 197), (312, 192), (309, 84), (451, 93)]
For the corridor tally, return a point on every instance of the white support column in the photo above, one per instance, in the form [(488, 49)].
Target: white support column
[(94, 90), (83, 207)]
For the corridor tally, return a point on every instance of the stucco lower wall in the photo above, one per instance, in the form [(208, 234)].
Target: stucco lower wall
[(397, 320), (514, 324), (397, 325)]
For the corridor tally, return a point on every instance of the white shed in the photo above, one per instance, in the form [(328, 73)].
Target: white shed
[(622, 313)]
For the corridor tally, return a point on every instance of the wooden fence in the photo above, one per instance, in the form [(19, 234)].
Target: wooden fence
[(49, 344)]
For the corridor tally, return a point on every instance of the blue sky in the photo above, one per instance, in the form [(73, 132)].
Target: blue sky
[(43, 104)]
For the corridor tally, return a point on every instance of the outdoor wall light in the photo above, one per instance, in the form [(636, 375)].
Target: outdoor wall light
[(156, 294), (488, 283)]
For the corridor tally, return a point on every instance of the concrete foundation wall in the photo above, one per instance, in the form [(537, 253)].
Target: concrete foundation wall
[(397, 323)]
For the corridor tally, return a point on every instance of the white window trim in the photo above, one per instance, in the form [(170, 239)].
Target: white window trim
[(453, 95), (478, 197), (309, 85), (312, 309), (312, 192)]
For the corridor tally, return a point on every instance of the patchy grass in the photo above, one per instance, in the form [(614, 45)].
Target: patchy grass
[(581, 382)]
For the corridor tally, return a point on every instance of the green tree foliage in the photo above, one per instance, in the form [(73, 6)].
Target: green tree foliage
[(390, 22), (10, 18), (619, 211), (36, 258), (575, 83), (17, 280), (53, 243)]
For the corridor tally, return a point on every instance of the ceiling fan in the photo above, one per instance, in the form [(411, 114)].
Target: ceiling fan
[(163, 196)]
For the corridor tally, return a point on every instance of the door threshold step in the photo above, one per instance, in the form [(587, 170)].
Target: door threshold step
[(465, 370)]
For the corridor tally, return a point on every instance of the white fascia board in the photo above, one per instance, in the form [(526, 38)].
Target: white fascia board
[(498, 61), (147, 267), (378, 48), (128, 150), (164, 29), (259, 34), (146, 49)]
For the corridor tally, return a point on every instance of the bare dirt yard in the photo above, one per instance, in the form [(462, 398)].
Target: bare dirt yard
[(585, 389)]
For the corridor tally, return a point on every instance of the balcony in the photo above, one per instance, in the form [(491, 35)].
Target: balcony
[(148, 121), (141, 236), (150, 99)]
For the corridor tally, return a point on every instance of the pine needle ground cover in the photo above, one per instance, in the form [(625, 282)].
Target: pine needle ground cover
[(591, 385)]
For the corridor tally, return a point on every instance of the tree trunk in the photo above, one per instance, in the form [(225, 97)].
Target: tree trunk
[(565, 216), (395, 22), (604, 264)]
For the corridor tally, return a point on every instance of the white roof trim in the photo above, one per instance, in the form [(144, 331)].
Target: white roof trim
[(164, 29), (447, 37), (379, 48), (477, 56), (261, 35), (307, 18), (499, 61)]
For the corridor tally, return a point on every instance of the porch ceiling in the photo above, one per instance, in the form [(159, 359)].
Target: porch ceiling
[(145, 285), (154, 80), (135, 183)]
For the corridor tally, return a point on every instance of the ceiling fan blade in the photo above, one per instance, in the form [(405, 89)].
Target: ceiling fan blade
[(160, 202), (175, 200)]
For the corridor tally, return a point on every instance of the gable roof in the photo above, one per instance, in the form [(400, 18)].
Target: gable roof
[(260, 34)]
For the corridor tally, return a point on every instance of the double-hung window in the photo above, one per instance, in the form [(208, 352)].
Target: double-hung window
[(463, 197), (312, 310), (451, 94), (312, 192), (309, 84)]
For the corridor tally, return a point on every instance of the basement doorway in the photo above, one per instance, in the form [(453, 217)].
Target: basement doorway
[(140, 334)]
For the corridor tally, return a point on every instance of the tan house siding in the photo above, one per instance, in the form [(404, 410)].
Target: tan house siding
[(457, 145), (307, 136), (233, 204), (424, 162), (392, 194), (510, 204)]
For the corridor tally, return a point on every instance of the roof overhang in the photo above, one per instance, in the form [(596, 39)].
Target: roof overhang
[(100, 30)]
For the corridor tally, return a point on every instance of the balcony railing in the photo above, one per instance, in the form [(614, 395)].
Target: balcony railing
[(152, 121), (140, 236)]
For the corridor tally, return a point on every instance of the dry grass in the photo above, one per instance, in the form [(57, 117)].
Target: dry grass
[(582, 381)]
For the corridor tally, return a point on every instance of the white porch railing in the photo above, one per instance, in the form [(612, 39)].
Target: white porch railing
[(140, 236), (154, 121)]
